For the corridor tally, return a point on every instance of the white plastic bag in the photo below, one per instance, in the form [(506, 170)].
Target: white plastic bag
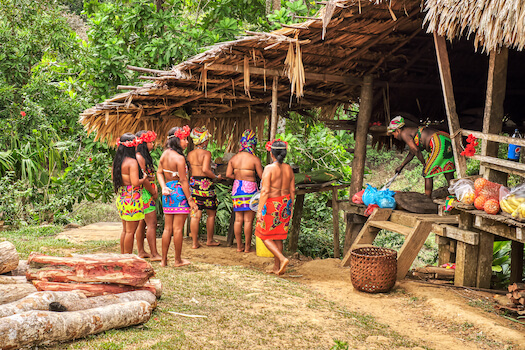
[(463, 189), (511, 200)]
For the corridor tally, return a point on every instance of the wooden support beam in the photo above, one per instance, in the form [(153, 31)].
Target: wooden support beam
[(466, 256), (335, 222), (494, 138), (501, 163), (275, 101), (333, 78), (296, 223), (360, 135), (465, 236), (493, 115), (516, 262), (127, 87), (450, 104), (444, 254), (485, 255)]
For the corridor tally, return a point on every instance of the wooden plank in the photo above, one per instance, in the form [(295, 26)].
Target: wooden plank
[(492, 124), (231, 233), (484, 264), (507, 164), (450, 103), (363, 119), (461, 235), (466, 256), (365, 236), (504, 169), (411, 247), (343, 79), (321, 189), (410, 219), (516, 262), (352, 208), (498, 228), (392, 226), (494, 138), (352, 230), (296, 223), (335, 223), (444, 254)]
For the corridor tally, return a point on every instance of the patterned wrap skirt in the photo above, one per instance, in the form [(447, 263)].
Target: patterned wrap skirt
[(203, 192), (441, 158), (276, 218), (175, 202), (242, 192), (129, 203), (149, 202)]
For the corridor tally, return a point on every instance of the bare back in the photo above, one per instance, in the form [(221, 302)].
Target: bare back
[(130, 172), (200, 162), (244, 166), (408, 134), (172, 166), (281, 179)]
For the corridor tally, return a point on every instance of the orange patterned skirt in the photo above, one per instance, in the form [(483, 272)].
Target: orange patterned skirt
[(276, 218)]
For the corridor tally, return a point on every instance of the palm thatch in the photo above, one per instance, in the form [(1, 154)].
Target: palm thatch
[(493, 23)]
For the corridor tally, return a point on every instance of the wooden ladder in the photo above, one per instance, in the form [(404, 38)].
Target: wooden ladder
[(415, 231)]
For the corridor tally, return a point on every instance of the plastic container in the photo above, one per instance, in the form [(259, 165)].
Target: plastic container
[(261, 250), (514, 150)]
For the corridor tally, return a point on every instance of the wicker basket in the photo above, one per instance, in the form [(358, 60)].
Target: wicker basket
[(373, 269)]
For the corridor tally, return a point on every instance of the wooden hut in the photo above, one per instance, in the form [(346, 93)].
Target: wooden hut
[(375, 53)]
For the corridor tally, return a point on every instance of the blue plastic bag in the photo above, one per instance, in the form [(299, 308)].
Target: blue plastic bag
[(369, 195), (384, 198)]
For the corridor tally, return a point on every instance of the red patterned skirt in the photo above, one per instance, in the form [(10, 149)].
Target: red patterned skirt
[(276, 218)]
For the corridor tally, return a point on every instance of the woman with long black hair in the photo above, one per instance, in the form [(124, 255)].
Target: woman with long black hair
[(127, 183), (148, 226), (176, 197)]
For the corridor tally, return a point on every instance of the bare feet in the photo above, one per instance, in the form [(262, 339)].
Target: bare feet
[(182, 262), (283, 266), (249, 251), (164, 262), (197, 246), (271, 271), (144, 255), (156, 258), (240, 250), (213, 243)]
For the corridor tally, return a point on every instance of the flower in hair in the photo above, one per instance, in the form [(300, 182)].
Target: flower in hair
[(269, 145), (181, 133), (149, 136), (130, 143)]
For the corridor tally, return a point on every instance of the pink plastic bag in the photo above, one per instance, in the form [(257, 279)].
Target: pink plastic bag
[(358, 197)]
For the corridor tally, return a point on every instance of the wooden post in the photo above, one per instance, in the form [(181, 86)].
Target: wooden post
[(296, 223), (516, 262), (466, 256), (360, 135), (450, 104), (354, 224), (492, 119), (231, 234), (335, 222), (444, 254), (485, 254), (275, 117)]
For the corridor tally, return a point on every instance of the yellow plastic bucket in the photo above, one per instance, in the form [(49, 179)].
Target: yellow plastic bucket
[(261, 249)]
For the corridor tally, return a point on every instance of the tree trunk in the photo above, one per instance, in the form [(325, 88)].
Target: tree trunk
[(34, 328), (109, 268), (103, 300), (90, 289), (8, 257), (12, 292), (39, 301), (276, 5)]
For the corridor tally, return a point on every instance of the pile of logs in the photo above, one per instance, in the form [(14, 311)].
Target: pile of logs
[(77, 296), (517, 297)]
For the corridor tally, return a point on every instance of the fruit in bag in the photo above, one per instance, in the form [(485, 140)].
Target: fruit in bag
[(491, 206)]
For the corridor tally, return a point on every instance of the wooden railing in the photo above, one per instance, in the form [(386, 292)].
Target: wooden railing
[(502, 165)]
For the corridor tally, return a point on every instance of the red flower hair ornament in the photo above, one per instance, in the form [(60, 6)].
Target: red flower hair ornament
[(130, 143), (181, 133), (149, 136), (470, 149), (269, 145)]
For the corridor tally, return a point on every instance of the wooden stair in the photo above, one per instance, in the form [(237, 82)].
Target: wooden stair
[(416, 230)]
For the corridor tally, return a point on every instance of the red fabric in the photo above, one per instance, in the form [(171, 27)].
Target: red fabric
[(276, 218), (358, 197), (370, 209)]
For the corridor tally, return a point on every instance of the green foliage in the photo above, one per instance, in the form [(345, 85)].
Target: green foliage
[(290, 8), (501, 263)]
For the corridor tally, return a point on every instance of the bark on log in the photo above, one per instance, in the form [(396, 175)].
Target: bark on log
[(103, 300), (90, 289), (12, 292), (126, 269), (13, 280), (20, 270), (516, 286), (157, 284), (45, 327), (8, 257), (40, 301)]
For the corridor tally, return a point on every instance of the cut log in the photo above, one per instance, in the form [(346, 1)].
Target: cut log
[(90, 289), (435, 272), (13, 279), (40, 301), (8, 257), (34, 328), (103, 300), (20, 270), (125, 269), (157, 284), (516, 286), (12, 292)]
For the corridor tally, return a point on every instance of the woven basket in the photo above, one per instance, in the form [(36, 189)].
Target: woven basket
[(373, 269)]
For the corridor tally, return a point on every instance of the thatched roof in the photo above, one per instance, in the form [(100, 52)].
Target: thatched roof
[(322, 61), (491, 23)]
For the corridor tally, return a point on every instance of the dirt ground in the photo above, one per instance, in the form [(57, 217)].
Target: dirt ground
[(438, 317)]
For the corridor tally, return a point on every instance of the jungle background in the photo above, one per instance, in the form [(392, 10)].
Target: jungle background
[(59, 57)]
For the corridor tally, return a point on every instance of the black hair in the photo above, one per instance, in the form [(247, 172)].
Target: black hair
[(144, 151), (122, 153), (280, 152), (174, 142)]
